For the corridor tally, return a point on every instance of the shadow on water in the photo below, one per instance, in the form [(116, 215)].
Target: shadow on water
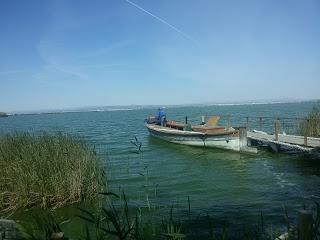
[(211, 159)]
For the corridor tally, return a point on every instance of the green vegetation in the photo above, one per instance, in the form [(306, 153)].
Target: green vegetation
[(311, 126), (52, 170), (110, 223), (48, 170), (118, 223)]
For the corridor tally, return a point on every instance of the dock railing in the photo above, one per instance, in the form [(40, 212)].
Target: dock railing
[(282, 125), (296, 126), (289, 125)]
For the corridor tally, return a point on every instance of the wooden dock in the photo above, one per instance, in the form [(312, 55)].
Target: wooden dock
[(281, 134), (280, 142)]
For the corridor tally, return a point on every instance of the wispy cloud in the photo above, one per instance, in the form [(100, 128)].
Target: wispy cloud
[(69, 70), (104, 51), (164, 22), (13, 72), (57, 63), (60, 63)]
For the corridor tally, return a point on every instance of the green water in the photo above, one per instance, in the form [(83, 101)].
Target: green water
[(226, 185)]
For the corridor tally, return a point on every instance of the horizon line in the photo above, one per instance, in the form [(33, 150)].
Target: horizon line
[(95, 108)]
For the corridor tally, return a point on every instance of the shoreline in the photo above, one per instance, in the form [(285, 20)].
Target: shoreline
[(142, 107)]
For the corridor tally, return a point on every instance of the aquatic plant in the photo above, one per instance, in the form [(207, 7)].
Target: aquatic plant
[(111, 221), (137, 144), (46, 170), (116, 222), (311, 126), (172, 230), (45, 225), (316, 226)]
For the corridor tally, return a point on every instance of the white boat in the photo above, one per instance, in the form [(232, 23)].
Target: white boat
[(206, 135)]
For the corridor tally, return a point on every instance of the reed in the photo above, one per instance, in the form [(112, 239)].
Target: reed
[(116, 222), (46, 170), (311, 126)]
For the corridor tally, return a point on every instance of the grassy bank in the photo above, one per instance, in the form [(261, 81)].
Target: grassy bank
[(47, 170)]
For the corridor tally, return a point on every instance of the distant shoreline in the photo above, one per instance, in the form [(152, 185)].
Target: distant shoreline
[(3, 114), (139, 107)]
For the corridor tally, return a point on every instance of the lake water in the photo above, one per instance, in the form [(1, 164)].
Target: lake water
[(226, 185)]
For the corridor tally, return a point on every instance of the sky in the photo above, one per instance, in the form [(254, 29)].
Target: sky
[(62, 54)]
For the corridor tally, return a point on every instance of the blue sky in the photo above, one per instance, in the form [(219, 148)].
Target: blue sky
[(62, 54)]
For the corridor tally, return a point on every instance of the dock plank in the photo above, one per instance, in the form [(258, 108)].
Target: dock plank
[(291, 139)]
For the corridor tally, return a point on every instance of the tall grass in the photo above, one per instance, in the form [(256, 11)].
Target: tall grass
[(311, 126), (118, 223), (47, 170)]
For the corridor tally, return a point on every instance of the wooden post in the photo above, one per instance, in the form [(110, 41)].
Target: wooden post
[(243, 137), (202, 120), (306, 133), (247, 124), (305, 222), (260, 123), (276, 129)]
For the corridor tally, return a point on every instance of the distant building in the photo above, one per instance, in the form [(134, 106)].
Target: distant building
[(3, 114)]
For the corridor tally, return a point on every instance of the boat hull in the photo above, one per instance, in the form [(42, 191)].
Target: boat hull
[(229, 141)]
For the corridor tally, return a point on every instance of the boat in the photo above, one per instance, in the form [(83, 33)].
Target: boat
[(207, 134)]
